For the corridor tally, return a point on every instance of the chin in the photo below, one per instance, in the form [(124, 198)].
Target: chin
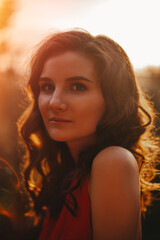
[(58, 138)]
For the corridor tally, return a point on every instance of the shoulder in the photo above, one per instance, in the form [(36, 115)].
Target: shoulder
[(116, 166), (113, 159), (114, 193)]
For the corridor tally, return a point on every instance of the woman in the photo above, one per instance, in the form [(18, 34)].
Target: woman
[(89, 141)]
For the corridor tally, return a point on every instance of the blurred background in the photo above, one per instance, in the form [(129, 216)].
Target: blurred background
[(133, 24)]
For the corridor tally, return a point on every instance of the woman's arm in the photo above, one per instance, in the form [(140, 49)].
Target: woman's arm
[(115, 195)]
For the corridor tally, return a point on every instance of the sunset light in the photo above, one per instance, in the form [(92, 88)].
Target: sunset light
[(88, 135), (133, 24)]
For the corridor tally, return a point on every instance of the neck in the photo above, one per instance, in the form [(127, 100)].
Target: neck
[(79, 145)]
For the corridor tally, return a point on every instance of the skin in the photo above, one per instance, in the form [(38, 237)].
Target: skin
[(71, 104), (69, 90), (115, 195)]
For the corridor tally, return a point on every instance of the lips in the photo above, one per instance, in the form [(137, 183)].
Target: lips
[(59, 122), (55, 119)]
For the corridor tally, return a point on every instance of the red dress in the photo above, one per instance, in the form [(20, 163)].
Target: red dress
[(68, 227)]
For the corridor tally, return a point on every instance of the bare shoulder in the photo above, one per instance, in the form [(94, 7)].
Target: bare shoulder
[(113, 159), (115, 166), (115, 195)]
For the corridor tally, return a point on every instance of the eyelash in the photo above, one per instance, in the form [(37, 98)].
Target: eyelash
[(46, 87), (79, 87), (76, 87)]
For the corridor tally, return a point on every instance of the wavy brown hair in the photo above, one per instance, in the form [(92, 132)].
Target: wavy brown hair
[(128, 122)]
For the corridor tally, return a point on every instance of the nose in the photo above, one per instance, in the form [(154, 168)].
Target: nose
[(57, 101)]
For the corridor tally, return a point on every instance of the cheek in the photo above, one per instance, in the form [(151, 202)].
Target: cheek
[(42, 104), (99, 106), (93, 112), (98, 113)]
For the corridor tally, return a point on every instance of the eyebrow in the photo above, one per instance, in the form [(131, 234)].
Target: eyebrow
[(79, 78), (74, 78)]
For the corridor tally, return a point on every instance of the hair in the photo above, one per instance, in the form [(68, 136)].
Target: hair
[(128, 122)]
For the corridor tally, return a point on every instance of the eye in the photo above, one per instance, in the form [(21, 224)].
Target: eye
[(46, 87), (79, 87)]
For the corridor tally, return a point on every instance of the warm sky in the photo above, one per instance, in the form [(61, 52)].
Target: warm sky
[(134, 24)]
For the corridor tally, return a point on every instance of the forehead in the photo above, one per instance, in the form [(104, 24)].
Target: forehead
[(69, 62), (69, 57)]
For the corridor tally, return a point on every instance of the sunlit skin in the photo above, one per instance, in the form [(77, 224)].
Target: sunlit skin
[(70, 100)]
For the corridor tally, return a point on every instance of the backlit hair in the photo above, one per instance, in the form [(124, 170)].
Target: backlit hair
[(128, 122)]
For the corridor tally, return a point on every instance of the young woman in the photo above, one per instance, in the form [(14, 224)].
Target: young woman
[(88, 134)]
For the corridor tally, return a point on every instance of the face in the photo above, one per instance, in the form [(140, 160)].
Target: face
[(70, 99)]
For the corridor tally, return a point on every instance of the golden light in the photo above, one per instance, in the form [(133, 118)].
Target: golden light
[(4, 212), (59, 158), (6, 10), (35, 182), (35, 138)]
